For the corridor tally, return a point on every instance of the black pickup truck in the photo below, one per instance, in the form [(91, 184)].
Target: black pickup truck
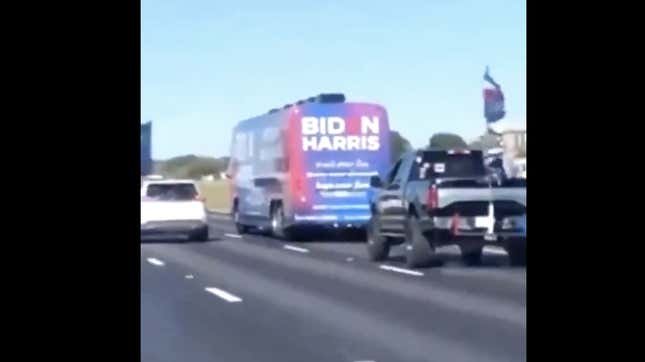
[(433, 198)]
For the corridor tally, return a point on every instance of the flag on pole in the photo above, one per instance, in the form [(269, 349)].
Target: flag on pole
[(493, 100), (146, 149)]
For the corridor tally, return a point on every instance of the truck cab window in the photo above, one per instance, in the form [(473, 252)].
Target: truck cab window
[(404, 169), (393, 172)]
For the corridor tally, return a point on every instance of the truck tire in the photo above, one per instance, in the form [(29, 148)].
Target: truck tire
[(240, 228), (378, 248), (517, 253), (472, 257), (418, 250)]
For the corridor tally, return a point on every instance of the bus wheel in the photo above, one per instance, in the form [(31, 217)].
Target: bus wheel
[(277, 222), (241, 229), (278, 228)]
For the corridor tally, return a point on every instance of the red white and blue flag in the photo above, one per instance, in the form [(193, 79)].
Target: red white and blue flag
[(493, 100), (146, 148)]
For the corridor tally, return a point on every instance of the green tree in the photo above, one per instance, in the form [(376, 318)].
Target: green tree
[(398, 145), (191, 166), (485, 142), (447, 141)]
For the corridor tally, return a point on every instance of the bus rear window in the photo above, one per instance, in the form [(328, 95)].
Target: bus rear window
[(173, 192)]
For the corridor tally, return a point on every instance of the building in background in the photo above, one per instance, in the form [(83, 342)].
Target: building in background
[(520, 167), (514, 142)]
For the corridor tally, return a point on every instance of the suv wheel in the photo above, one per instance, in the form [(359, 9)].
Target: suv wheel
[(200, 235)]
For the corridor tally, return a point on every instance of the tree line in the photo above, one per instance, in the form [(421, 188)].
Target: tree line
[(194, 167), (191, 166)]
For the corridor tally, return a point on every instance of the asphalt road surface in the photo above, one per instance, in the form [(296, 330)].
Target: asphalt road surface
[(254, 298)]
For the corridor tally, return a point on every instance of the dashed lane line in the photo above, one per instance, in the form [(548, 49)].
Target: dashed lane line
[(155, 261), (401, 270), (223, 295), (295, 248)]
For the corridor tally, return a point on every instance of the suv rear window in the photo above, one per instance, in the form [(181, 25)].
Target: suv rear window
[(444, 164), (167, 191)]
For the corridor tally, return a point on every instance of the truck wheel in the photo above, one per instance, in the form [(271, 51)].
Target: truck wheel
[(418, 251), (517, 253), (472, 257), (241, 229), (378, 248)]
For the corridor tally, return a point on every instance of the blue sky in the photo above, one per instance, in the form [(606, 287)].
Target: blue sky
[(206, 64)]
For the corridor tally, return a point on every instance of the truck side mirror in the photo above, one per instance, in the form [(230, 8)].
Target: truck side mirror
[(376, 182)]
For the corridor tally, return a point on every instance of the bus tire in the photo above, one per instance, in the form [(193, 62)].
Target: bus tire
[(278, 229), (240, 228)]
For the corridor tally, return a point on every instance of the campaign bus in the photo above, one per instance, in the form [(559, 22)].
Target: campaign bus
[(308, 164)]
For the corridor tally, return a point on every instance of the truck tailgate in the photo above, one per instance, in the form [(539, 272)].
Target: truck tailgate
[(448, 196)]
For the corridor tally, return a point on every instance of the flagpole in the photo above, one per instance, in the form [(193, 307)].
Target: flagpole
[(489, 129)]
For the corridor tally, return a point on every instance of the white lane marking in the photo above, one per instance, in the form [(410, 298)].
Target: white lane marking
[(236, 236), (189, 277), (224, 295), (350, 259), (367, 360), (295, 248), (156, 262), (401, 270)]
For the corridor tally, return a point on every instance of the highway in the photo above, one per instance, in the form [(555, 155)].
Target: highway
[(254, 298)]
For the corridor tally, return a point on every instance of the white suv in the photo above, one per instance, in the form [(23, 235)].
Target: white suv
[(173, 207)]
